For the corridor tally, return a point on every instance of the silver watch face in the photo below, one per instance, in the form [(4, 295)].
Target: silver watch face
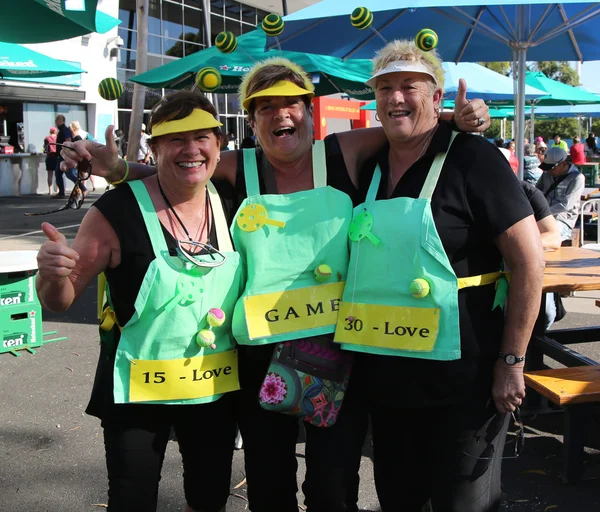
[(510, 359)]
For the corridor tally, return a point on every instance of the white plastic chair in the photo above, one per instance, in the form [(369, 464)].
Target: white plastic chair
[(589, 207)]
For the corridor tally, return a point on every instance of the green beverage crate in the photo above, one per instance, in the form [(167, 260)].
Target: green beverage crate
[(20, 327), (17, 288), (591, 174)]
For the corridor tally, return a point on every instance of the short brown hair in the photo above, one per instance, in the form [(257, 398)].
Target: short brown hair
[(179, 105), (267, 73)]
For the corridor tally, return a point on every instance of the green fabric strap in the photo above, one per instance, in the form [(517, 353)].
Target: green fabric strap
[(251, 173), (374, 187), (435, 171), (319, 164), (157, 239)]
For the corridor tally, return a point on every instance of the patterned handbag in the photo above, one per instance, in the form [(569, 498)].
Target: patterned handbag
[(307, 378)]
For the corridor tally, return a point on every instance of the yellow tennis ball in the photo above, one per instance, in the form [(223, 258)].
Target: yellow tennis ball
[(426, 39), (215, 317), (226, 42), (419, 288), (323, 273), (205, 338), (110, 89), (208, 79), (361, 18), (272, 24)]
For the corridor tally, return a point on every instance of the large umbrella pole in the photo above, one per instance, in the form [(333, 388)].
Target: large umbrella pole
[(520, 114), (532, 124), (139, 95)]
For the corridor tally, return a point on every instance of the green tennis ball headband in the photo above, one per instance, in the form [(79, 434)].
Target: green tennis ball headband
[(208, 79), (226, 42), (110, 89), (401, 66), (272, 24), (426, 40)]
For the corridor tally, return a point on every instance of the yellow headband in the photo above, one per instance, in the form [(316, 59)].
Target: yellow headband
[(198, 120), (281, 88)]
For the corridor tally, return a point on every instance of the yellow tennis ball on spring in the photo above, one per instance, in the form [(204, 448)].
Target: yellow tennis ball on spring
[(205, 338), (208, 79), (419, 288), (110, 89), (226, 42), (426, 39), (361, 18), (215, 317), (323, 273), (272, 24)]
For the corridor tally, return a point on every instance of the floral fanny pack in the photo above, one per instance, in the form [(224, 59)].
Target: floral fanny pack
[(307, 378)]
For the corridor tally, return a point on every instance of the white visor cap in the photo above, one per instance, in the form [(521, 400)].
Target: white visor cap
[(400, 66)]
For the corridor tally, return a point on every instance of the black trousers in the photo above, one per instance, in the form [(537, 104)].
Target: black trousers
[(331, 482), (451, 455), (136, 436)]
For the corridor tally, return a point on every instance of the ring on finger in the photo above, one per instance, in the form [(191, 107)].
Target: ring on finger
[(480, 121)]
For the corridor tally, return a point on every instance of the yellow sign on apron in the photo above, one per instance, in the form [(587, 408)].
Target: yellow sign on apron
[(180, 379), (396, 327), (293, 310)]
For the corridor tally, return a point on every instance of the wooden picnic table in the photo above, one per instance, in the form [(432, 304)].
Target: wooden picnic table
[(588, 193), (570, 269)]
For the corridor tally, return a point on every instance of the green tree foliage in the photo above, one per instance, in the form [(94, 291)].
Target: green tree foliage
[(494, 131), (565, 127), (504, 68), (557, 70)]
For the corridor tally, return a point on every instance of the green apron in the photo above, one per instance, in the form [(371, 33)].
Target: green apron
[(157, 358), (284, 298), (401, 297)]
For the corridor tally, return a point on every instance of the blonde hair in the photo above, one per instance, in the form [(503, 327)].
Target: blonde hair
[(407, 50), (267, 73), (75, 126)]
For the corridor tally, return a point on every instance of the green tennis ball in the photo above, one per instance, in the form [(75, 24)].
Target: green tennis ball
[(426, 39), (272, 24), (205, 339), (361, 18), (226, 42), (419, 288), (323, 273), (208, 79), (110, 89)]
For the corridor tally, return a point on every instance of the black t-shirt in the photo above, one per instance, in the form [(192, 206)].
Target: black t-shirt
[(63, 134), (477, 198), (537, 200)]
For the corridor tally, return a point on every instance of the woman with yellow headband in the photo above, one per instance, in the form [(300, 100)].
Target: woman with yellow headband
[(167, 357), (291, 230)]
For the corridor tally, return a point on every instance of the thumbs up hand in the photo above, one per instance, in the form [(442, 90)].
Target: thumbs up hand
[(470, 116), (55, 259)]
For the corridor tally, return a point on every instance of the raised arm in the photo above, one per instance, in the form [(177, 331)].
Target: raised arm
[(65, 272), (106, 162)]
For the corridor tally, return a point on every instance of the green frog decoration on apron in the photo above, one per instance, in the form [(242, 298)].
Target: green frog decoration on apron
[(158, 358), (401, 297), (295, 248)]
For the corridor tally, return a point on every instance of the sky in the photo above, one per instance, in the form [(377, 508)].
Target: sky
[(590, 76)]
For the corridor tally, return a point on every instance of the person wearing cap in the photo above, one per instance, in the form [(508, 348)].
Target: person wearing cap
[(308, 190), (422, 309), (145, 151), (540, 150), (562, 184), (165, 362)]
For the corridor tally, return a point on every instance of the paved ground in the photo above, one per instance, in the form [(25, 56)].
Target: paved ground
[(51, 453)]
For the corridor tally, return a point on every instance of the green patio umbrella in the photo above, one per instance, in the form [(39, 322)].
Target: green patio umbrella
[(40, 21), (329, 74), (17, 62)]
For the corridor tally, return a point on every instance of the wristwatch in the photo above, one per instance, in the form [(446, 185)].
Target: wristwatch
[(510, 359)]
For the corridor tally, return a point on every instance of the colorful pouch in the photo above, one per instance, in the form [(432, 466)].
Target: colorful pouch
[(307, 378)]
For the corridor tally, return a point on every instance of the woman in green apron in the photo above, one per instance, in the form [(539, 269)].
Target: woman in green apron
[(168, 359), (296, 265), (441, 362)]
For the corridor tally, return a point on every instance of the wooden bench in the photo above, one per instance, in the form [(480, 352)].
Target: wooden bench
[(574, 389)]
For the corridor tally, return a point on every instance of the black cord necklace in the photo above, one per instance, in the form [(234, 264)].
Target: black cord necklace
[(190, 239)]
